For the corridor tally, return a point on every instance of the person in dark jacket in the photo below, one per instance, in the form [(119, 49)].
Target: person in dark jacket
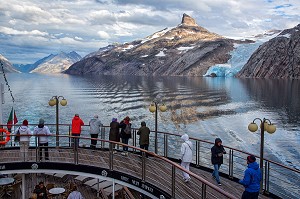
[(41, 191), (125, 136), (252, 178), (114, 132), (217, 152), (144, 133)]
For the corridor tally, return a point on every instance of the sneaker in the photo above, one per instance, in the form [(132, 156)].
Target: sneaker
[(123, 153), (219, 184), (126, 153), (114, 152), (187, 180)]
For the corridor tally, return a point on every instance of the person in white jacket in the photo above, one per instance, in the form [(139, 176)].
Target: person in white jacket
[(42, 133), (75, 194), (25, 135), (95, 125), (186, 156)]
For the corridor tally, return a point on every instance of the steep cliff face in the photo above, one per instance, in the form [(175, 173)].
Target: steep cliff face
[(7, 66), (187, 49), (277, 58)]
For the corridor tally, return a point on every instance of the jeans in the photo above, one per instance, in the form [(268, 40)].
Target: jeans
[(125, 141), (93, 142), (145, 146), (76, 140), (41, 147), (216, 172)]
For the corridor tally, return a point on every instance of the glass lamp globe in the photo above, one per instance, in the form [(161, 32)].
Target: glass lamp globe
[(52, 102), (271, 128), (163, 108), (152, 108), (63, 102), (252, 127)]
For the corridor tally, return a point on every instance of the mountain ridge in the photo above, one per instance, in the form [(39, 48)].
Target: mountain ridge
[(187, 49)]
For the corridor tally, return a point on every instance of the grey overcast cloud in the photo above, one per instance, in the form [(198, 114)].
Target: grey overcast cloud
[(33, 29)]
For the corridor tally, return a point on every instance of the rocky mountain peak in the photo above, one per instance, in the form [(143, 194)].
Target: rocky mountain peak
[(188, 21)]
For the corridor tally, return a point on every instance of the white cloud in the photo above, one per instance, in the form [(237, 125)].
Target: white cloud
[(103, 34), (36, 26)]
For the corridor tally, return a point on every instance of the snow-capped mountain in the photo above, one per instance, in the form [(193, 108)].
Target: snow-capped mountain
[(56, 63), (187, 49)]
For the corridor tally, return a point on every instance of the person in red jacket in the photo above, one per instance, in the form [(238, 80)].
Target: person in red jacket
[(76, 128)]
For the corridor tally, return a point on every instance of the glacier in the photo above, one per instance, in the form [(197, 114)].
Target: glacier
[(239, 57)]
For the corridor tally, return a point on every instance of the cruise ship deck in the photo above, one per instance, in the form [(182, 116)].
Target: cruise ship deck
[(101, 173)]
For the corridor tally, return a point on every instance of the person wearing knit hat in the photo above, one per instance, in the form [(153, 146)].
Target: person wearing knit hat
[(217, 152), (252, 178), (43, 133), (25, 134), (125, 126), (114, 133)]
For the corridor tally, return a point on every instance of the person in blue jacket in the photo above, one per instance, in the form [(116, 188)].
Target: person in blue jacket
[(252, 178)]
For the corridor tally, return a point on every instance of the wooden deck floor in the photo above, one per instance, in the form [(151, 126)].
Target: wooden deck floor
[(158, 172)]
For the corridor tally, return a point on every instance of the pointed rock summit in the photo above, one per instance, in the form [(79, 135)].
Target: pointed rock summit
[(188, 21)]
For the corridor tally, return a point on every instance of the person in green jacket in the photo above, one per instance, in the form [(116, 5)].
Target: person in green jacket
[(144, 133)]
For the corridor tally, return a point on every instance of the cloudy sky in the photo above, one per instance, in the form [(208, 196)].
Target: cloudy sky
[(33, 29)]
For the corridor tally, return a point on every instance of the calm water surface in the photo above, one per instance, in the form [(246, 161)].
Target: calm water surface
[(205, 108)]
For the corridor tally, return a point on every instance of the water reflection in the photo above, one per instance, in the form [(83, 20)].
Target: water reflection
[(203, 107)]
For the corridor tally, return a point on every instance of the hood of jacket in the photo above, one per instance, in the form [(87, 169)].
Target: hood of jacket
[(185, 137), (23, 128), (76, 118), (217, 140), (253, 165)]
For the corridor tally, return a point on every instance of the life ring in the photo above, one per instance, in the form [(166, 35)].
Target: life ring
[(7, 137)]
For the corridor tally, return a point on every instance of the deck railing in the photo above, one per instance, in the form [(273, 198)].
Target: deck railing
[(278, 179)]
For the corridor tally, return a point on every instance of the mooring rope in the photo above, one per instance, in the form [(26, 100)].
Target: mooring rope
[(8, 86)]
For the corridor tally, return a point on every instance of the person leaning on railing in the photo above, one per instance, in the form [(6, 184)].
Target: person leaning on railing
[(76, 128), (25, 134), (144, 133), (95, 125), (42, 132)]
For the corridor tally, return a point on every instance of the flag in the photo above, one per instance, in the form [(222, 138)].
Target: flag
[(12, 119)]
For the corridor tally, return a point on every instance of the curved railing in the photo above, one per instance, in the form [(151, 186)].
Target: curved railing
[(278, 180), (158, 175)]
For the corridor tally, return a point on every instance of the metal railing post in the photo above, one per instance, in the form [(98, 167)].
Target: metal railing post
[(230, 164), (267, 175), (102, 137), (111, 156), (165, 145), (36, 149), (173, 181), (69, 136), (143, 167), (203, 191), (197, 153)]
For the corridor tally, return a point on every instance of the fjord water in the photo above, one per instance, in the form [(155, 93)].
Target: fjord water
[(203, 107)]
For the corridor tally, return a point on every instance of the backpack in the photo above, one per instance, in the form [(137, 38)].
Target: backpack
[(127, 129)]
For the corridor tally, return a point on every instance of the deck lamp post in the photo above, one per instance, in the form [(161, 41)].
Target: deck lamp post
[(265, 124), (153, 108), (54, 101)]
